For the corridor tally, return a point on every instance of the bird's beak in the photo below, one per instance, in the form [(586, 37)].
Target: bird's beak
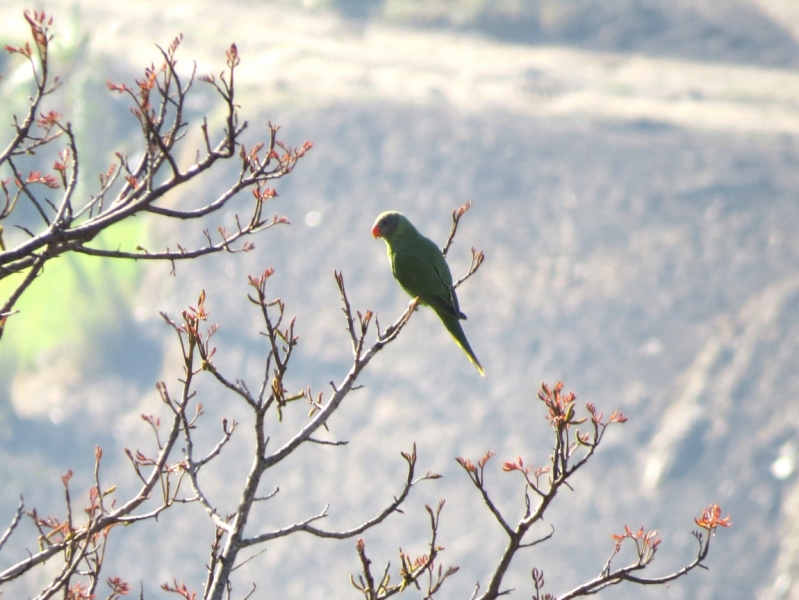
[(376, 231)]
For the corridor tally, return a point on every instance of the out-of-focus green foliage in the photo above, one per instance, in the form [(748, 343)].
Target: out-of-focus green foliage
[(75, 296), (71, 300)]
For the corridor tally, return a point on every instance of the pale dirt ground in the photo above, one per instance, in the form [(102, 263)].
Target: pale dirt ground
[(639, 214), (318, 59)]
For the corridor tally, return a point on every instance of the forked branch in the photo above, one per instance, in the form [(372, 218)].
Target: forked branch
[(70, 224)]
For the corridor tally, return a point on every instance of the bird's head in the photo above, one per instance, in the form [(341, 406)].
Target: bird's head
[(387, 224)]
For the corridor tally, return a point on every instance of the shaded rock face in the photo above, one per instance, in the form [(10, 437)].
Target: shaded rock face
[(741, 33)]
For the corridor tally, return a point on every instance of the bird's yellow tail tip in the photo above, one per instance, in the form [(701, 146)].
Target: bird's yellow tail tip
[(479, 368)]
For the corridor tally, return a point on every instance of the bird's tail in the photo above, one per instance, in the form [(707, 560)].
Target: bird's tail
[(453, 325)]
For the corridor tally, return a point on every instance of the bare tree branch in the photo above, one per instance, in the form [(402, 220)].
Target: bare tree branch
[(14, 523), (158, 101)]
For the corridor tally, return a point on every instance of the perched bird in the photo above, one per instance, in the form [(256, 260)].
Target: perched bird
[(420, 268)]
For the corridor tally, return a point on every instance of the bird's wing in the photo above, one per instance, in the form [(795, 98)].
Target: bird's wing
[(428, 277)]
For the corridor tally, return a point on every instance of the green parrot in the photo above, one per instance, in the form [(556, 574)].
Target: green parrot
[(420, 268)]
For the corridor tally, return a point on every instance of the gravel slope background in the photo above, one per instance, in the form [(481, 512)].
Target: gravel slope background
[(634, 171)]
